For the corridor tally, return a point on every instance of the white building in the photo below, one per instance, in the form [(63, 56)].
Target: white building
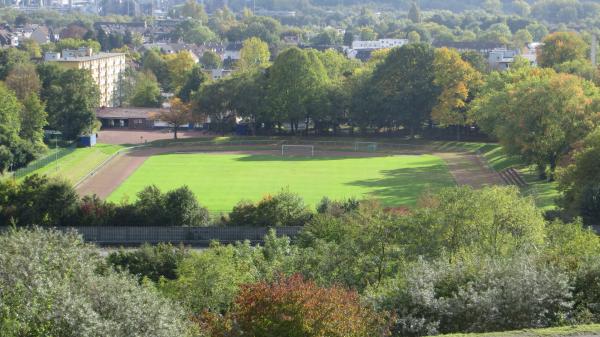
[(362, 49), (378, 44)]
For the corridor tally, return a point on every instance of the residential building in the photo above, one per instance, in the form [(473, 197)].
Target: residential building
[(105, 69), (362, 49)]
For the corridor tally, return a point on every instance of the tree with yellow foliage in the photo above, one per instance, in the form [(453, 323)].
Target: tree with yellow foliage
[(254, 54), (178, 114), (457, 80), (178, 66)]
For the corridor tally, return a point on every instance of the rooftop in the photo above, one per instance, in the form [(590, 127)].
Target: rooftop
[(126, 113), (89, 58)]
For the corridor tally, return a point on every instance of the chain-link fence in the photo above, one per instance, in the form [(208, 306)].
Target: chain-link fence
[(193, 236), (41, 162)]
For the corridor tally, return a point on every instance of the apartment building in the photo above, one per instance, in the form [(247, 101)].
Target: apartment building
[(105, 68)]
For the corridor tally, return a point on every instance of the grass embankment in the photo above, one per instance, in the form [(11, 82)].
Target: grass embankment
[(544, 192), (578, 330), (78, 163), (221, 180)]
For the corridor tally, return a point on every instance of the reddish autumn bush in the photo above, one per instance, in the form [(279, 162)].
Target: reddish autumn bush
[(294, 307)]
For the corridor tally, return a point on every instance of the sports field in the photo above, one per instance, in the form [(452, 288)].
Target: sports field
[(221, 180)]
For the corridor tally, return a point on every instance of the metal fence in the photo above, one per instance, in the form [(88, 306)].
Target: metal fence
[(39, 163), (192, 236)]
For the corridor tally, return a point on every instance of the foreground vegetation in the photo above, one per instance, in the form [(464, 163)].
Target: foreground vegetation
[(462, 260), (574, 330)]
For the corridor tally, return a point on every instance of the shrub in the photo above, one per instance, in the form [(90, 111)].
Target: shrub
[(52, 284), (153, 262), (490, 295), (294, 307), (282, 209)]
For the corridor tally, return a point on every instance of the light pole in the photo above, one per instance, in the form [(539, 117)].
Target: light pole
[(56, 152)]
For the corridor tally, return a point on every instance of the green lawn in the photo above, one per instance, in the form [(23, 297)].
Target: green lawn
[(221, 180), (78, 163), (578, 330)]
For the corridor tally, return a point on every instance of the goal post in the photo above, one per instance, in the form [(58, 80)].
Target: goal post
[(298, 150), (365, 146)]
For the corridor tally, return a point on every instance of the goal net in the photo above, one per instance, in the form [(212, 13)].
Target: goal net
[(298, 150), (365, 146)]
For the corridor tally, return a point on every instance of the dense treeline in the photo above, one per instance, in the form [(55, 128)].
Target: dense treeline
[(463, 260)]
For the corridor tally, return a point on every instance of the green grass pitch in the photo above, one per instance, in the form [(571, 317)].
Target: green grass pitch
[(221, 180)]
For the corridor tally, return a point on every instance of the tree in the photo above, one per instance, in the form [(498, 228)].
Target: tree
[(539, 116), (405, 81), (295, 79), (457, 81), (561, 47), (413, 37), (195, 78), (493, 221), (248, 91), (414, 14), (146, 92), (72, 291), (282, 209), (32, 47), (537, 30), (33, 120), (23, 80), (74, 43), (476, 60), (150, 261), (178, 114), (294, 307), (194, 10), (210, 60), (10, 126), (72, 103), (214, 100), (178, 66), (254, 54), (182, 209), (579, 180), (210, 280), (9, 57), (521, 38), (153, 62)]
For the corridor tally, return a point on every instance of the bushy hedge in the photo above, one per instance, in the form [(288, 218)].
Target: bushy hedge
[(52, 284)]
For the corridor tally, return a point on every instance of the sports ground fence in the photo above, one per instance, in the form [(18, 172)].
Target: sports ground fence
[(276, 145), (189, 236), (44, 161)]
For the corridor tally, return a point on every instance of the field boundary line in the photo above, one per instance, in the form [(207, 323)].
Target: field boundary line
[(104, 163)]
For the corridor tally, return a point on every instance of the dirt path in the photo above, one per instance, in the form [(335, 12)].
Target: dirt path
[(468, 169)]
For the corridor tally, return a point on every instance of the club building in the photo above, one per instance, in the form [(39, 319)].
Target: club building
[(129, 118), (105, 68)]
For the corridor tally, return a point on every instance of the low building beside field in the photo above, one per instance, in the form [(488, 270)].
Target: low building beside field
[(128, 118), (137, 118)]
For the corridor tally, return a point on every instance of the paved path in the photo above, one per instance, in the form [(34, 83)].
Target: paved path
[(468, 169)]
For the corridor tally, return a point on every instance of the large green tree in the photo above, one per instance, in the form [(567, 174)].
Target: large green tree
[(72, 103), (404, 81), (296, 78), (146, 91), (561, 47), (254, 54), (537, 114)]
